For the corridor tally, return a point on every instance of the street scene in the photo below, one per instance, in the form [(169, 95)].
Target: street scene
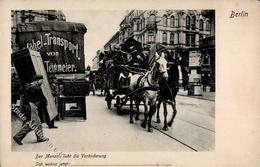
[(143, 82), (104, 130)]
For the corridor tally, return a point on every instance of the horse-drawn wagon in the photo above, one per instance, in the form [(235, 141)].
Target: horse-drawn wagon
[(118, 66), (131, 75)]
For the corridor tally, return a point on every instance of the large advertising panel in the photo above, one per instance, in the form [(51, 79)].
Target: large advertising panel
[(61, 44), (194, 59)]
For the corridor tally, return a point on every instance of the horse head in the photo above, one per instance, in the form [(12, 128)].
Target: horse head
[(161, 64)]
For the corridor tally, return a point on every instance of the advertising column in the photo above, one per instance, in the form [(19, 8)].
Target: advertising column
[(195, 73)]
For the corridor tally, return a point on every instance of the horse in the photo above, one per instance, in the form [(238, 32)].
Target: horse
[(148, 86), (167, 94)]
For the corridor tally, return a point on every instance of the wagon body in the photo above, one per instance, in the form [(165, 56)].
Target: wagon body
[(115, 70)]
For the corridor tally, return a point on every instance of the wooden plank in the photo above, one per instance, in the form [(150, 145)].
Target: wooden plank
[(39, 69)]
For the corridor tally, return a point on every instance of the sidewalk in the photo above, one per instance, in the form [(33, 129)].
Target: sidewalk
[(205, 95)]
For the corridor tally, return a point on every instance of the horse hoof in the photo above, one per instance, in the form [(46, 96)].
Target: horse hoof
[(170, 124), (158, 121), (131, 121), (143, 125), (165, 128), (150, 130)]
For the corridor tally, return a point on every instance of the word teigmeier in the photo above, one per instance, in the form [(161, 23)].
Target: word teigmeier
[(48, 40)]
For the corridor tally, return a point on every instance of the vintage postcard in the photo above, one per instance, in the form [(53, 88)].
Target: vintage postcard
[(130, 83)]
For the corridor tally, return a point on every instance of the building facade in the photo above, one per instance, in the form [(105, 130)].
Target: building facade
[(95, 61), (207, 47), (25, 16), (175, 29)]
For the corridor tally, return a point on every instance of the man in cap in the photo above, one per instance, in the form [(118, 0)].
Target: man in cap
[(33, 97)]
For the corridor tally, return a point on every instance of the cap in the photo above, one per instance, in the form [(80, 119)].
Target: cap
[(37, 77)]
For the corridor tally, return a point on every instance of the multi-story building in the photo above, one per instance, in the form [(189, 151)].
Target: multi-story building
[(175, 29), (24, 16), (95, 61), (207, 47)]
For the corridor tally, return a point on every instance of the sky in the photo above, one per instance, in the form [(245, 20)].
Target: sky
[(101, 26)]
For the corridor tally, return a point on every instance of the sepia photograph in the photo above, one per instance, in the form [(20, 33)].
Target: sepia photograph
[(130, 83), (113, 80)]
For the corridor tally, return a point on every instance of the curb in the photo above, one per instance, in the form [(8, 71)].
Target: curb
[(197, 97)]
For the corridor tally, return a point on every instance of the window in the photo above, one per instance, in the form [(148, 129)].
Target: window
[(201, 37), (193, 23), (52, 17), (151, 19), (30, 18), (164, 38), (206, 59), (172, 21), (172, 38), (178, 38), (178, 20), (150, 38), (207, 26), (188, 22), (164, 20), (137, 25), (187, 39), (201, 25), (190, 40), (12, 20)]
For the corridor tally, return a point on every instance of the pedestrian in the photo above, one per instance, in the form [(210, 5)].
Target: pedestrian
[(204, 84), (54, 92), (92, 82), (33, 96)]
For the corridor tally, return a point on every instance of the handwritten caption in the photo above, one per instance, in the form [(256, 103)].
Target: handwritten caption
[(63, 159)]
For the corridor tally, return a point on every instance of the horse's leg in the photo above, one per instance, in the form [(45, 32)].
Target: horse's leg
[(173, 104), (145, 113), (165, 112), (158, 111), (101, 90), (151, 113), (131, 110), (137, 103)]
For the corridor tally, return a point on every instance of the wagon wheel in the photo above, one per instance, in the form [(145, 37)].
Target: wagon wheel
[(118, 105)]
